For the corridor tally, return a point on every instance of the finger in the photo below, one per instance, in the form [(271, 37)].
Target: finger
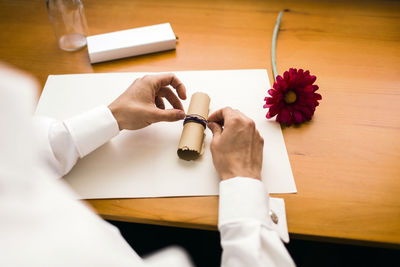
[(159, 102), (258, 146), (215, 128), (220, 115), (259, 137), (171, 97), (171, 79), (168, 115), (257, 133)]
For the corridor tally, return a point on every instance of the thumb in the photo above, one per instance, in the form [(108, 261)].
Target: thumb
[(215, 128), (168, 115)]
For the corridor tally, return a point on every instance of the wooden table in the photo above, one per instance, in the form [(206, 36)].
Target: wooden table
[(346, 161)]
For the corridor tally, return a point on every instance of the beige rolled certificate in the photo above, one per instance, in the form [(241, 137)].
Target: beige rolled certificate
[(191, 143)]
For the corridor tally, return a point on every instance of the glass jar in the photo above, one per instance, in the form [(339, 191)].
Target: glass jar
[(69, 23)]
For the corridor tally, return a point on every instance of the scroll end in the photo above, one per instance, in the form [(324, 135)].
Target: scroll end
[(187, 154)]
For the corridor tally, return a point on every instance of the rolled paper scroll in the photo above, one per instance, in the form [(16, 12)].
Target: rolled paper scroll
[(192, 138)]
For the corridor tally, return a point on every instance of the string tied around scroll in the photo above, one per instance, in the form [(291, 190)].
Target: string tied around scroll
[(196, 118)]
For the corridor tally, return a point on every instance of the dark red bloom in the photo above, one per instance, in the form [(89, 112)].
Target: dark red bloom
[(293, 97)]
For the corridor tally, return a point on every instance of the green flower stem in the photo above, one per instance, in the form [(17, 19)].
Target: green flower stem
[(273, 48)]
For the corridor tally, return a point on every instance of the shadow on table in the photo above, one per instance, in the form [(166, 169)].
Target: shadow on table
[(205, 250)]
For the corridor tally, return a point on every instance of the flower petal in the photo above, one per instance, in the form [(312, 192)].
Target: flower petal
[(306, 111), (269, 100), (269, 116), (272, 92), (308, 89), (273, 110), (309, 80), (280, 84), (284, 117), (298, 117), (286, 76), (317, 96)]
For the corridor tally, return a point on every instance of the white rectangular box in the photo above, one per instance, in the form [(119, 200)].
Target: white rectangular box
[(132, 42)]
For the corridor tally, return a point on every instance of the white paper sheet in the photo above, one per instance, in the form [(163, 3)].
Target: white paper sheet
[(144, 163)]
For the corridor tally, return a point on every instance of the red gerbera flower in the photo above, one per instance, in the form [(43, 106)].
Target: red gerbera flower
[(293, 97)]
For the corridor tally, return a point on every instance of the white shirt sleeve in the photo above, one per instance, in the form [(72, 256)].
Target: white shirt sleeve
[(248, 235), (42, 223), (63, 143)]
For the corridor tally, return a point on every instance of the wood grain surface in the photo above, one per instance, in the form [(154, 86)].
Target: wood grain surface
[(346, 161)]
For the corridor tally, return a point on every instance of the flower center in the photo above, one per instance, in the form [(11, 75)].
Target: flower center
[(290, 97)]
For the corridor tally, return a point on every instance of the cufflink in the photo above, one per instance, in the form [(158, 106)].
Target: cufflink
[(273, 216)]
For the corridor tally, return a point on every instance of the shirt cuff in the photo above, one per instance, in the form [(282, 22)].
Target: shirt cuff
[(92, 129), (243, 198)]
